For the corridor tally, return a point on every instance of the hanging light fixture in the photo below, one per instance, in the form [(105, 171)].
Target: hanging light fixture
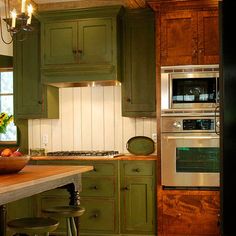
[(16, 23)]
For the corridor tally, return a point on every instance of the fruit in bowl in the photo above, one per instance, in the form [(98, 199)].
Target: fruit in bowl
[(12, 161)]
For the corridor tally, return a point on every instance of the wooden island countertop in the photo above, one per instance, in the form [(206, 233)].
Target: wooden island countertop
[(34, 179)]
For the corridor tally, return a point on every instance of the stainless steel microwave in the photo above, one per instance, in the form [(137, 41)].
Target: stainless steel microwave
[(190, 87)]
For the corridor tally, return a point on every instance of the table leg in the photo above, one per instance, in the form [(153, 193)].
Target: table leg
[(3, 220), (74, 201)]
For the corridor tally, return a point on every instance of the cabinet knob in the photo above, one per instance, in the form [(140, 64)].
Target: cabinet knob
[(79, 51), (74, 51), (194, 52), (94, 169), (40, 102), (128, 100), (95, 215), (126, 188), (179, 215), (137, 170), (95, 187)]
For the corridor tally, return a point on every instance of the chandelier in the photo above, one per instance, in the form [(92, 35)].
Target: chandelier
[(16, 22)]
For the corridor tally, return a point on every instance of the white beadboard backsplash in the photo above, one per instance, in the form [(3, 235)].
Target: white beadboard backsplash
[(90, 119)]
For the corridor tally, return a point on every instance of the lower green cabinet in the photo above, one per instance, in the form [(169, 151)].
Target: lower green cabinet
[(137, 197), (119, 198)]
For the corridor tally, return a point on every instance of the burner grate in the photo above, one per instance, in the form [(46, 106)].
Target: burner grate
[(84, 153)]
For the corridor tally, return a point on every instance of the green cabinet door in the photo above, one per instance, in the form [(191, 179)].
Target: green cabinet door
[(60, 42), (31, 98), (138, 206), (138, 82), (80, 45), (95, 41)]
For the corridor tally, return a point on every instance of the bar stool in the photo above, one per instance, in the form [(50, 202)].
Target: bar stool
[(68, 212), (33, 225)]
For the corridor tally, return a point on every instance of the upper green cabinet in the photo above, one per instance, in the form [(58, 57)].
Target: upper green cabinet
[(138, 82), (85, 42), (31, 98), (80, 45)]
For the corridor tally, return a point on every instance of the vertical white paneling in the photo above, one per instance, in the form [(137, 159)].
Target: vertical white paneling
[(139, 127), (90, 119), (45, 129), (97, 118), (67, 121), (36, 133), (118, 130), (128, 130), (86, 118), (77, 119), (109, 118), (147, 128)]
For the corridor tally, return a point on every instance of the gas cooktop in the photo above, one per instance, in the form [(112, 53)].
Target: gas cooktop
[(110, 154)]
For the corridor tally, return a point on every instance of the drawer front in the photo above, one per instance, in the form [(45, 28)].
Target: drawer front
[(99, 169), (138, 168), (100, 187), (99, 217)]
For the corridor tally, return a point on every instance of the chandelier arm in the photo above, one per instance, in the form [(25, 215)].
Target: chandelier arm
[(2, 34)]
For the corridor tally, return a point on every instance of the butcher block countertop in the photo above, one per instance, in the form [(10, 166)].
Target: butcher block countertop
[(34, 179), (90, 158)]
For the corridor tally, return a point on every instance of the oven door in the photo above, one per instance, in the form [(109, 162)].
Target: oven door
[(190, 160)]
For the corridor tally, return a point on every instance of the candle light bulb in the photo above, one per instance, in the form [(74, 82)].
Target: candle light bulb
[(23, 6), (30, 11), (13, 18)]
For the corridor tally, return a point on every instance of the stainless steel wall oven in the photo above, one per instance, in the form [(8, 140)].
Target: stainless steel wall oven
[(190, 154)]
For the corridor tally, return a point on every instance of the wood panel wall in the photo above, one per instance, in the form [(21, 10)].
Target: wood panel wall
[(90, 119)]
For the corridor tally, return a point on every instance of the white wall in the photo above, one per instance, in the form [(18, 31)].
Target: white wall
[(90, 119), (5, 49)]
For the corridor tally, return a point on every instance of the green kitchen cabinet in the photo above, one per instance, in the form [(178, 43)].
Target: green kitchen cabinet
[(138, 197), (138, 76), (80, 45), (31, 98), (119, 197)]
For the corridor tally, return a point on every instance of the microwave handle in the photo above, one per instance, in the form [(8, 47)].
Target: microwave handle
[(192, 137)]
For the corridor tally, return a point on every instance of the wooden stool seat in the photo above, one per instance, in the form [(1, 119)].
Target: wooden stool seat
[(69, 213), (33, 225), (64, 211)]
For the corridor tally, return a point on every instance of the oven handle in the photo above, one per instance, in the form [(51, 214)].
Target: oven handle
[(192, 137)]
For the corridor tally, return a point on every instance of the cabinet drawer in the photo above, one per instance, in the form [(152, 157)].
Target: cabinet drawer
[(191, 214), (100, 169), (138, 168), (100, 216), (100, 187)]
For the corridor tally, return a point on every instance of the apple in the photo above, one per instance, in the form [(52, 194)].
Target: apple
[(16, 154), (6, 152)]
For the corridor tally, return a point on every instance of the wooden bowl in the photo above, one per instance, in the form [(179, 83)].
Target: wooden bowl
[(13, 164)]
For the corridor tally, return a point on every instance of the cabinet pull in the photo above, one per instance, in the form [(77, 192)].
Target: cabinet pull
[(40, 102), (128, 100), (95, 187), (137, 170), (74, 51), (79, 51), (95, 215), (179, 215), (94, 169), (126, 188)]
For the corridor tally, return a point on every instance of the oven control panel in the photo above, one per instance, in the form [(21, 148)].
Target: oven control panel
[(190, 124), (198, 124)]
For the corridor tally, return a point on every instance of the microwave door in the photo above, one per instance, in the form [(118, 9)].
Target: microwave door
[(190, 160)]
